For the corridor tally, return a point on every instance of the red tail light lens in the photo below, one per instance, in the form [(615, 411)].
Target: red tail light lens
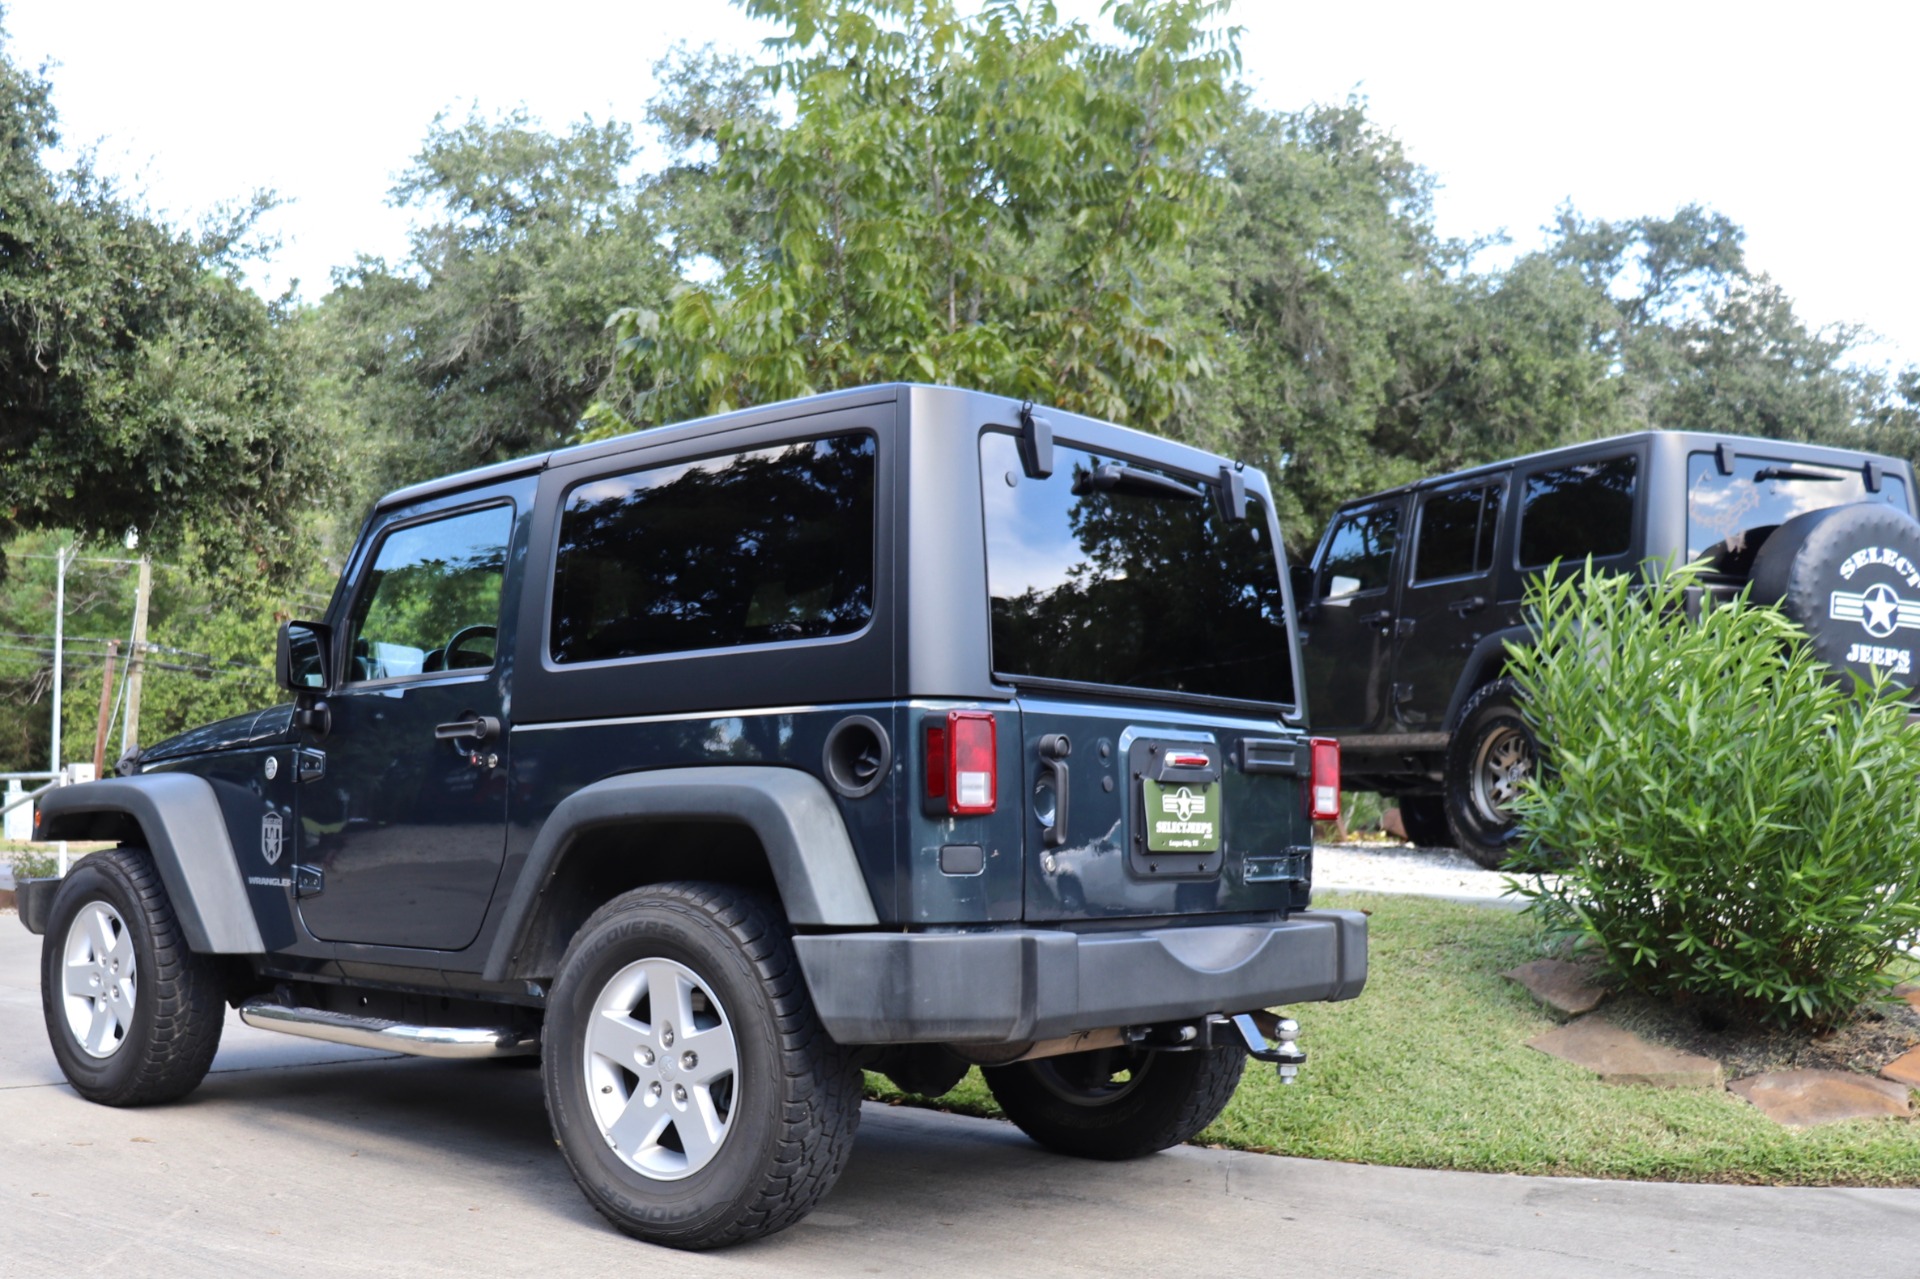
[(961, 763), (1323, 781)]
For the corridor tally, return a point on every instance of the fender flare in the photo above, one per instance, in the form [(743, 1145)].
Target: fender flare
[(796, 820), (1488, 651), (182, 829)]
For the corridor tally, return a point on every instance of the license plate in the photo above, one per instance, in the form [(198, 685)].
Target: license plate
[(1182, 817)]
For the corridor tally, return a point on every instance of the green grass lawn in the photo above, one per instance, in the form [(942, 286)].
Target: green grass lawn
[(1430, 1069)]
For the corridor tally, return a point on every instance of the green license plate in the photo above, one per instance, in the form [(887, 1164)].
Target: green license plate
[(1182, 817)]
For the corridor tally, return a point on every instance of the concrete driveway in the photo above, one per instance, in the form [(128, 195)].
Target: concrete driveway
[(299, 1158)]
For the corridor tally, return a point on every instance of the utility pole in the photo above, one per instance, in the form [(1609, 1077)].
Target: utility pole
[(106, 712), (59, 641), (137, 657)]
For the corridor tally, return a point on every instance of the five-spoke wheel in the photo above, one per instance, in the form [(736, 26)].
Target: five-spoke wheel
[(662, 1069), (692, 1089), (133, 1014)]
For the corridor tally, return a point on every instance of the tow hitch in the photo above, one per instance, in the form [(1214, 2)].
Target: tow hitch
[(1250, 1031)]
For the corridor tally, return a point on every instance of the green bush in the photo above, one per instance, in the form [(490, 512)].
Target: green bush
[(1728, 824), (34, 864)]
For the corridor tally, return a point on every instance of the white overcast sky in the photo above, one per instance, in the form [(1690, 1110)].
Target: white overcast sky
[(1798, 121)]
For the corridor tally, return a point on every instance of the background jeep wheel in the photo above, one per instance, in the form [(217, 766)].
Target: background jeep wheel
[(691, 1088), (1847, 575), (1425, 819), (1116, 1103), (1490, 754), (134, 1017)]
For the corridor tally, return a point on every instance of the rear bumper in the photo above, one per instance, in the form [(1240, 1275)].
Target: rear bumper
[(1016, 985)]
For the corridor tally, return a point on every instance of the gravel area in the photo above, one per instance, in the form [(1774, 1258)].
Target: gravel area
[(1397, 868)]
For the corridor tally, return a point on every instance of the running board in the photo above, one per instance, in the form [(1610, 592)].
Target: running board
[(454, 1042)]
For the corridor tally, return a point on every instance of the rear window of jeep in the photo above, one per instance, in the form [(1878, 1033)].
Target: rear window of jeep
[(1106, 573), (759, 547), (1764, 493)]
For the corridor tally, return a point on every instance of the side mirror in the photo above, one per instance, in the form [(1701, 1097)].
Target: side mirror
[(300, 657)]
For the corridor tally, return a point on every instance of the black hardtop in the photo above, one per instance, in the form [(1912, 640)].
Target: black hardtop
[(1667, 446), (985, 406)]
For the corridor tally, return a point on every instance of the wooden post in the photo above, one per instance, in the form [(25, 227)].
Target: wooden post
[(136, 659), (106, 709)]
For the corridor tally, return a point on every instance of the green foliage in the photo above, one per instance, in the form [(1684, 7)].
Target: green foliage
[(982, 201), (33, 863), (487, 342), (141, 384), (1728, 824)]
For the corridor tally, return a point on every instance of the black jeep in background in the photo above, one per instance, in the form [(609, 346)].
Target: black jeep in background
[(1414, 594)]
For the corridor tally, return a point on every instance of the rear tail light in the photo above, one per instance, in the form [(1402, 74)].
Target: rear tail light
[(1323, 779), (961, 762)]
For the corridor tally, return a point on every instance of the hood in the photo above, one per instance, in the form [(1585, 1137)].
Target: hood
[(227, 734)]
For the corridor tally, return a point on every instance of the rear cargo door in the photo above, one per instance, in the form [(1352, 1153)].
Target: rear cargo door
[(1144, 626)]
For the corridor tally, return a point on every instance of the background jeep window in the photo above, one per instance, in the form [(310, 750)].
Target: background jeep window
[(430, 584), (1576, 511), (1728, 516), (751, 548), (1360, 556), (1127, 587), (1456, 534)]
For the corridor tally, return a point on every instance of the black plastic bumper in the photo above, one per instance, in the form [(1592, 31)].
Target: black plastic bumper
[(1016, 985)]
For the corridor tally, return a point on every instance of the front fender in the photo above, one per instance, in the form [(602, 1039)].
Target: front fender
[(176, 818)]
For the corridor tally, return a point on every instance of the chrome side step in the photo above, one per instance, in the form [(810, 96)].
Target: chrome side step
[(456, 1042)]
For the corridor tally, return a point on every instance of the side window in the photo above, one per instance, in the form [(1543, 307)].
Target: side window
[(1577, 511), (431, 602), (1360, 556), (751, 548), (1456, 534)]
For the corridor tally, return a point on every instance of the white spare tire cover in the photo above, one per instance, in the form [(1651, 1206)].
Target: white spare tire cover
[(1850, 576)]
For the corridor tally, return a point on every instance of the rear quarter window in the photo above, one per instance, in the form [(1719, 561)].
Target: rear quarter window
[(1575, 511), (767, 546)]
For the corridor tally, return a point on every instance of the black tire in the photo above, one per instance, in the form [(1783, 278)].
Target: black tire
[(1424, 817), (786, 1112), (1076, 1104), (1850, 576), (1491, 750), (161, 1049)]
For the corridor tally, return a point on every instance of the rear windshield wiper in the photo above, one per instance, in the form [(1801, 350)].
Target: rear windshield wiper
[(1788, 473), (1111, 477)]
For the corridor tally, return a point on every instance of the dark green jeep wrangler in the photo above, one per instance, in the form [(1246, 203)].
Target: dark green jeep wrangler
[(903, 727)]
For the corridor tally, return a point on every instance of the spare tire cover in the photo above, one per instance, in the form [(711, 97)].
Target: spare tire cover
[(1850, 576)]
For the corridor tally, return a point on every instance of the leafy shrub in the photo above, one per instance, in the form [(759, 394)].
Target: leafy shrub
[(34, 864), (1727, 823)]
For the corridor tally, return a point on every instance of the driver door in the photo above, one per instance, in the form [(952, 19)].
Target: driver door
[(403, 835)]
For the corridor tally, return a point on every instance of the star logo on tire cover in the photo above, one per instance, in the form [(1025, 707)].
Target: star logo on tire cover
[(1879, 610)]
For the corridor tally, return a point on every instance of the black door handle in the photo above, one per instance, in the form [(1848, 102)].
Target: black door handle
[(478, 727), (1381, 618), (1471, 604)]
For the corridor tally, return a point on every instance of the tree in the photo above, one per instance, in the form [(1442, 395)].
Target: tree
[(980, 200), (141, 384), (487, 342)]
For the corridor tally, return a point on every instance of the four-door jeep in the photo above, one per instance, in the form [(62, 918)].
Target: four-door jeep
[(903, 727), (1414, 594)]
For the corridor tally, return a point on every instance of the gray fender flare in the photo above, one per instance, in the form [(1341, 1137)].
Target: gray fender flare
[(1489, 650), (181, 827), (791, 812)]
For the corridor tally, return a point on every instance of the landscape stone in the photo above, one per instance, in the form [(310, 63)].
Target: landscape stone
[(1904, 1069), (1566, 988), (1392, 823), (1804, 1098), (1621, 1057), (1909, 992)]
